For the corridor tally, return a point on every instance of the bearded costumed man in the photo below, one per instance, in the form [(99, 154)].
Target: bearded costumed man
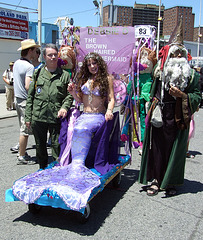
[(175, 90)]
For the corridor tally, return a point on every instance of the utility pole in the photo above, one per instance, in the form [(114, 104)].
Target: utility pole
[(111, 14), (101, 13), (158, 31), (40, 24)]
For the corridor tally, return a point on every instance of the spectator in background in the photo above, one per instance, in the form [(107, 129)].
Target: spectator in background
[(201, 84), (22, 74), (8, 79), (35, 60)]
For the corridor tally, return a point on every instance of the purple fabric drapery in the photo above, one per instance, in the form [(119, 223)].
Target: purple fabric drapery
[(104, 150)]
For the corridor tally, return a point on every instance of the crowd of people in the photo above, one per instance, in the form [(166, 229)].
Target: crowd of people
[(44, 94)]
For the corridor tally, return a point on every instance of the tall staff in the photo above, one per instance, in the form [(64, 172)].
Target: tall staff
[(199, 35)]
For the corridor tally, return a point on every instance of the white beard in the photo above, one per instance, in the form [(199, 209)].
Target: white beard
[(177, 72)]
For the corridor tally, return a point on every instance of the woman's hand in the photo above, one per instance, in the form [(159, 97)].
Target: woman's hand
[(71, 88), (109, 115), (62, 113), (28, 124)]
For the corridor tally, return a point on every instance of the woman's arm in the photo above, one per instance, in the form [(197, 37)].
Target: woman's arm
[(72, 91), (111, 101)]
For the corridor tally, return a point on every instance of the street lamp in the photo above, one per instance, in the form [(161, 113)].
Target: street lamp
[(96, 4), (100, 7)]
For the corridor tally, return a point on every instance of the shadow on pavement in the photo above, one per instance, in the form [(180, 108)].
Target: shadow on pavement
[(191, 186), (101, 207)]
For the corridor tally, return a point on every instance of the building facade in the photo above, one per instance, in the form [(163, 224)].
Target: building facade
[(140, 14), (122, 16), (8, 47), (147, 14), (172, 17), (50, 32), (196, 34)]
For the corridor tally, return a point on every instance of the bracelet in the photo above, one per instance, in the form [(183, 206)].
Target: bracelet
[(110, 109)]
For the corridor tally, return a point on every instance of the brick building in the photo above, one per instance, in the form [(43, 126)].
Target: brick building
[(122, 16), (140, 14), (147, 14), (172, 17)]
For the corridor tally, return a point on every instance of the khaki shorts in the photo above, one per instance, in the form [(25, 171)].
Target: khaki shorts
[(20, 108)]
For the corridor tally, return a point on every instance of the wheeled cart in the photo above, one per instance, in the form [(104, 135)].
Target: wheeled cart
[(53, 199)]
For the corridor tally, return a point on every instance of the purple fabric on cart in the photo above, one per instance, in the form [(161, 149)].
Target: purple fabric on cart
[(72, 183), (66, 132), (64, 128), (104, 149)]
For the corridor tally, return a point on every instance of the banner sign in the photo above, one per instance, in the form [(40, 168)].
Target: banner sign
[(13, 24), (114, 44)]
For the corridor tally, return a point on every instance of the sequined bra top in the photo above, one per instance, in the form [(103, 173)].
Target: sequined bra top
[(86, 90)]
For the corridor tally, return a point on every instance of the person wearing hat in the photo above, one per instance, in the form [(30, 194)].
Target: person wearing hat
[(22, 75), (176, 94), (8, 79)]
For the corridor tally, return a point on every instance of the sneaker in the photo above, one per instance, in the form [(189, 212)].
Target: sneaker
[(22, 160), (26, 154), (15, 148), (140, 152)]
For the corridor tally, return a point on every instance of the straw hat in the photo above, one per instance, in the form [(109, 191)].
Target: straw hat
[(28, 43), (11, 63)]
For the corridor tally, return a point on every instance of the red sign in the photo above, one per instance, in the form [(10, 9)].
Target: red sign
[(13, 24)]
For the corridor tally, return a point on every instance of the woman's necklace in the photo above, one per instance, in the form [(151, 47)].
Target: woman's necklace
[(90, 85)]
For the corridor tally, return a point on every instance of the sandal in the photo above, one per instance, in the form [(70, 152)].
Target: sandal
[(171, 191), (151, 190), (188, 155)]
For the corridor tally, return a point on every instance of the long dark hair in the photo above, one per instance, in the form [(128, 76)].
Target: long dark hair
[(101, 79)]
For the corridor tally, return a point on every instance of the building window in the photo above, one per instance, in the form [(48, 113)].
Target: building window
[(54, 34)]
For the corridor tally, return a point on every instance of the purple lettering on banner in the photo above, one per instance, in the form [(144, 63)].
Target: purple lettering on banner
[(114, 44)]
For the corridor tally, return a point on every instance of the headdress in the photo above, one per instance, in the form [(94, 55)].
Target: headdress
[(177, 34), (175, 43), (91, 55)]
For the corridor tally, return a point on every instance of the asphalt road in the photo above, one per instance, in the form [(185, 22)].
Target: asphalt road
[(125, 213)]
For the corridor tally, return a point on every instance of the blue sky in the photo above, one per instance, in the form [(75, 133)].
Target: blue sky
[(82, 11)]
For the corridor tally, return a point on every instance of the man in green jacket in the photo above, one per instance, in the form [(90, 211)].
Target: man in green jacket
[(48, 101)]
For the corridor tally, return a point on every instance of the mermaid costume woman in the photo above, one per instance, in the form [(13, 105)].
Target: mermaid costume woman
[(73, 182)]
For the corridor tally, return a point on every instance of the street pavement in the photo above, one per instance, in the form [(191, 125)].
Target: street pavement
[(124, 213)]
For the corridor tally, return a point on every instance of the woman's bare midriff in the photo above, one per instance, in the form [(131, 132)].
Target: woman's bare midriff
[(95, 106)]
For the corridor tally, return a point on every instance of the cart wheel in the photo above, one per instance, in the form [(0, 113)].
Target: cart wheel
[(117, 180), (34, 208), (83, 217)]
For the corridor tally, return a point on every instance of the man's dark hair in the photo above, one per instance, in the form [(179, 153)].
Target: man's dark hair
[(49, 45), (25, 51), (38, 51)]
